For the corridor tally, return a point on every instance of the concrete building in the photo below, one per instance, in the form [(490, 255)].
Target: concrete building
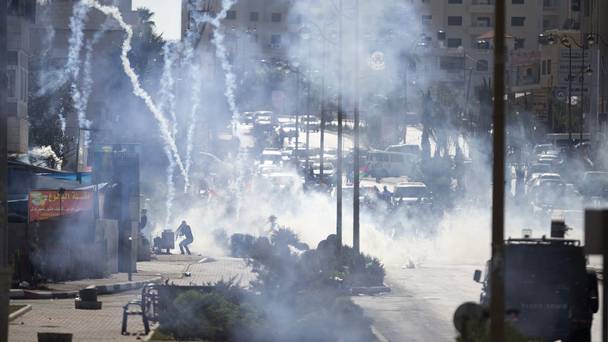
[(20, 15), (49, 37), (594, 24)]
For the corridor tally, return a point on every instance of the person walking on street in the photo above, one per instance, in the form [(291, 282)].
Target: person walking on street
[(185, 231)]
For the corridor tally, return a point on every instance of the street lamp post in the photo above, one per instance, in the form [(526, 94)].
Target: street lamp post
[(567, 41), (4, 269), (356, 223), (594, 39), (339, 152)]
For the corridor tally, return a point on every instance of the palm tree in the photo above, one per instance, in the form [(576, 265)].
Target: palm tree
[(147, 45)]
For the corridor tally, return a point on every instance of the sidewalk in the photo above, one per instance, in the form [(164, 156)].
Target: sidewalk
[(59, 315)]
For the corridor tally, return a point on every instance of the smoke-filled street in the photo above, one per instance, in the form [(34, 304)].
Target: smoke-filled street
[(324, 170)]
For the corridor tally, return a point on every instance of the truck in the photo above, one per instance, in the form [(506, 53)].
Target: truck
[(549, 293)]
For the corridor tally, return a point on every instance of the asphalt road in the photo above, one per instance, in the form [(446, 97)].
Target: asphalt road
[(422, 302)]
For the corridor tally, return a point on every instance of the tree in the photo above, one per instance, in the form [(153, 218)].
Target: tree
[(147, 45)]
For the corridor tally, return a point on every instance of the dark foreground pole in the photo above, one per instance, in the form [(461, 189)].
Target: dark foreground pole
[(339, 152), (356, 244), (4, 270), (497, 300)]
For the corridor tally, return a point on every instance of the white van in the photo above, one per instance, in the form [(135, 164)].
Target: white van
[(391, 164)]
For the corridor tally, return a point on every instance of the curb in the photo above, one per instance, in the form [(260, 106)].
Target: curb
[(121, 287), (101, 289), (378, 335), (369, 290), (19, 312)]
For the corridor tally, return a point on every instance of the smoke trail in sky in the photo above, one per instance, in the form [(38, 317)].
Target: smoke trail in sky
[(167, 85), (137, 88), (220, 52), (167, 105), (76, 40), (49, 77), (222, 55), (195, 103), (170, 188), (87, 78)]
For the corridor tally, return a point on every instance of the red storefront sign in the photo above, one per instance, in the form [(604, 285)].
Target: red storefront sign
[(46, 204)]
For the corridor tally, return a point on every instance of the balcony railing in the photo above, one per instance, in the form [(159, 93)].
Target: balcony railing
[(483, 2)]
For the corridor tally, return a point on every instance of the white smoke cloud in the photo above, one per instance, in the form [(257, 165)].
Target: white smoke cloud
[(165, 130)]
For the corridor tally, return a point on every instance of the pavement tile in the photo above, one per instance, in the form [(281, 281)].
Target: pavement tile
[(59, 315)]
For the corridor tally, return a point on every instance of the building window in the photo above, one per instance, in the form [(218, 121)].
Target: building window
[(455, 21), (12, 79), (427, 19), (254, 16), (275, 41), (276, 17), (12, 58), (23, 96), (517, 21), (231, 15), (451, 63), (548, 67), (483, 21), (454, 42), (482, 65), (454, 1), (520, 43), (517, 2), (543, 67)]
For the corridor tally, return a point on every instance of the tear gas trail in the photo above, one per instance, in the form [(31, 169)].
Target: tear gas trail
[(170, 188), (167, 85), (76, 40), (195, 100), (167, 105), (137, 88), (87, 79), (49, 77), (222, 55), (43, 153)]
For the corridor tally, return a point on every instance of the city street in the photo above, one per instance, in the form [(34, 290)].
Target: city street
[(473, 136)]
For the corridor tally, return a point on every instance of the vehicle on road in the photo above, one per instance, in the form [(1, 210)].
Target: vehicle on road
[(271, 156), (404, 148), (411, 194), (391, 164), (594, 185), (311, 122), (549, 293)]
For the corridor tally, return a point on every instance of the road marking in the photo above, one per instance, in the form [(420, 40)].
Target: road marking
[(379, 335)]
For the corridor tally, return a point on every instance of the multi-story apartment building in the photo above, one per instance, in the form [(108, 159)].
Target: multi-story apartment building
[(49, 38), (595, 26), (21, 14)]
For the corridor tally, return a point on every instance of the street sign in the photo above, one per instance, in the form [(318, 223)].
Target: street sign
[(577, 69), (46, 204)]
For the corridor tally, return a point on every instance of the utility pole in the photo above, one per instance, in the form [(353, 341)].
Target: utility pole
[(322, 124), (356, 223), (297, 112), (339, 152), (4, 269), (570, 92), (582, 100), (497, 299), (308, 109)]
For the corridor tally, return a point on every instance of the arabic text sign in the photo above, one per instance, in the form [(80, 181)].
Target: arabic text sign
[(46, 204)]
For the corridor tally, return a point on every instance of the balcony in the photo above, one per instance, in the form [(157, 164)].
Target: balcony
[(482, 6)]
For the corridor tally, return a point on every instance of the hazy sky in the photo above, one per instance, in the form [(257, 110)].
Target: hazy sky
[(166, 15)]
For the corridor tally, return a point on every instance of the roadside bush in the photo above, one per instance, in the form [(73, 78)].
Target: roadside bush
[(209, 316), (241, 245)]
